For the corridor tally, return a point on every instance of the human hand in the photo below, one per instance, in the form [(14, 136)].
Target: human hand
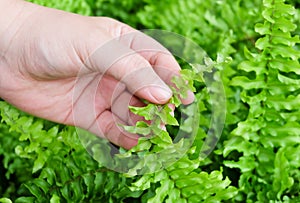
[(81, 71)]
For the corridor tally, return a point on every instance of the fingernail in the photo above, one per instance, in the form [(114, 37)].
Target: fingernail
[(189, 99), (191, 96), (160, 95)]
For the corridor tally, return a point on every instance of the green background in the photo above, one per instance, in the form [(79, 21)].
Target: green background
[(257, 159)]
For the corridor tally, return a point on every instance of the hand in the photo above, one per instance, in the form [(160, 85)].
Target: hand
[(81, 71)]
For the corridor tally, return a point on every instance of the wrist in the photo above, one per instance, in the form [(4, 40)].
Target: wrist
[(11, 19)]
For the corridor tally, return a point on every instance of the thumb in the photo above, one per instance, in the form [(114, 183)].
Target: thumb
[(130, 68)]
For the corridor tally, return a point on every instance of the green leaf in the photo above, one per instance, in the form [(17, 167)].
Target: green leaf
[(39, 162), (5, 200), (191, 180), (286, 40), (89, 182), (246, 83), (42, 184), (263, 29), (55, 199), (239, 144), (147, 112), (283, 51), (267, 14), (141, 128), (174, 195), (245, 164), (161, 137), (282, 179), (25, 200), (288, 81), (143, 145), (49, 174), (162, 191), (34, 190), (285, 25), (285, 9), (258, 67), (285, 65), (160, 175), (279, 103), (142, 183), (166, 116), (263, 43)]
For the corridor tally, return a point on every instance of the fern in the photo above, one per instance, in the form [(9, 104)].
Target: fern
[(270, 136), (218, 26), (255, 159), (83, 7), (61, 167), (183, 180)]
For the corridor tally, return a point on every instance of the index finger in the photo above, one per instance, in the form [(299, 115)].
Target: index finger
[(162, 61)]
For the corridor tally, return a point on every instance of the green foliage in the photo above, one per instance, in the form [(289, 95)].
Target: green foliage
[(61, 168), (255, 46), (217, 26), (83, 7), (268, 139)]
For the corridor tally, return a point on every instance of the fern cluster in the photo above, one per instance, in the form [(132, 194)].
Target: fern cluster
[(268, 139), (255, 160), (50, 163)]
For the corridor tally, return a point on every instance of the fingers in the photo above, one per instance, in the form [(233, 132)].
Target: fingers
[(143, 66), (147, 47), (121, 110), (129, 67), (114, 133), (95, 100), (160, 59)]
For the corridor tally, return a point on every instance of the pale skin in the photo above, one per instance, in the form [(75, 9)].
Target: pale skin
[(67, 68)]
